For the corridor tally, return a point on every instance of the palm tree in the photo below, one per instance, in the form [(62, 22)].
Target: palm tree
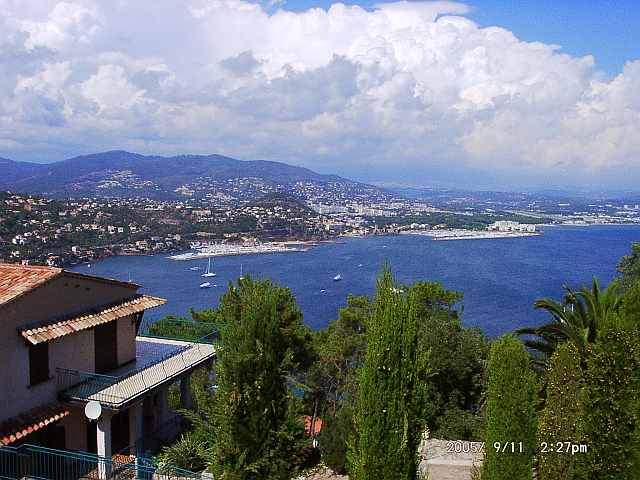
[(578, 319)]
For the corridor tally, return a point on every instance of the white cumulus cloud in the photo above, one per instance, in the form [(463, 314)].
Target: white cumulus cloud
[(403, 90)]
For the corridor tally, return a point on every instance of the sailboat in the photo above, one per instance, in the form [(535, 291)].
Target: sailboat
[(208, 272), (205, 285), (337, 278), (241, 277)]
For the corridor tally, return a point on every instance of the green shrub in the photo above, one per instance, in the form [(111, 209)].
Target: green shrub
[(561, 414), (510, 412), (610, 425), (458, 424), (188, 453), (630, 308), (336, 431)]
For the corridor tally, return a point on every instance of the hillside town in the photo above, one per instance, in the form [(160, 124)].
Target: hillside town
[(58, 232)]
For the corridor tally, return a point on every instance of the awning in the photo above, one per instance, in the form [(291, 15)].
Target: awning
[(26, 423), (55, 330)]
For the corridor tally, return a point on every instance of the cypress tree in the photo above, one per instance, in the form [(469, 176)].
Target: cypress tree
[(611, 421), (258, 432), (510, 412), (561, 414), (389, 405)]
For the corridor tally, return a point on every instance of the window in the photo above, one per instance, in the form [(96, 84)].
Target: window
[(38, 363)]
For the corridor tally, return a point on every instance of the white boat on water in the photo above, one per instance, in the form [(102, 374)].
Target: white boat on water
[(241, 277), (208, 272), (194, 268), (205, 285), (337, 278)]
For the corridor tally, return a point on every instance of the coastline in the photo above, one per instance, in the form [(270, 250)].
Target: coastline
[(462, 234), (226, 250), (603, 224)]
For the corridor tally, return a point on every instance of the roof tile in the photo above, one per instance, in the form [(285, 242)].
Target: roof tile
[(16, 280), (18, 427), (52, 331)]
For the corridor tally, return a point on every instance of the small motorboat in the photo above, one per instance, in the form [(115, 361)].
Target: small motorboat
[(337, 278), (205, 285)]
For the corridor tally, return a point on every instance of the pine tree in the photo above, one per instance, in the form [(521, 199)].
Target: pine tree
[(611, 421), (561, 414), (510, 412), (389, 406), (258, 432)]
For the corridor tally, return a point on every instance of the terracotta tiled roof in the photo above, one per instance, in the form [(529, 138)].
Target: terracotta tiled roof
[(55, 330), (307, 425), (18, 427), (16, 280)]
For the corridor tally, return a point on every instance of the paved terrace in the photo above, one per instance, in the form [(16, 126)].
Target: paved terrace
[(158, 362)]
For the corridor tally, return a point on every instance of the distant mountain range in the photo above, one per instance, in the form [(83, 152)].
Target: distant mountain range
[(121, 173)]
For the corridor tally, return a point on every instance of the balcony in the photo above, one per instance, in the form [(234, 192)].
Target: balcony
[(35, 462), (159, 361)]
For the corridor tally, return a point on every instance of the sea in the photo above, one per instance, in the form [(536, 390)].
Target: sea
[(500, 278)]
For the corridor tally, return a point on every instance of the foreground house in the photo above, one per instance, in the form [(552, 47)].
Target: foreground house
[(68, 339)]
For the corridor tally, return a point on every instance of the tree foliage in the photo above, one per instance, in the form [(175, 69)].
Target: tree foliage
[(579, 319), (337, 429), (265, 348), (630, 307), (203, 325), (611, 418), (561, 415), (332, 382), (457, 363), (629, 266), (339, 353), (510, 412), (390, 403)]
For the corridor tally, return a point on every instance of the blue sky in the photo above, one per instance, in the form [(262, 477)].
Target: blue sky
[(473, 94), (606, 29)]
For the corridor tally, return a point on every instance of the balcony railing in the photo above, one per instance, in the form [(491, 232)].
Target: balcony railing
[(153, 369), (34, 462), (179, 329)]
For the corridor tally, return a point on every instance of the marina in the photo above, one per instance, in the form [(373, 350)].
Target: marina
[(201, 251)]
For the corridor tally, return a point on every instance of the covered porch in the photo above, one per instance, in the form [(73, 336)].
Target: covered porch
[(136, 419)]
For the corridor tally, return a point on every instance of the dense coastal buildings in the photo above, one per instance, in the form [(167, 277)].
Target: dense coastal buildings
[(72, 340), (247, 211), (507, 226)]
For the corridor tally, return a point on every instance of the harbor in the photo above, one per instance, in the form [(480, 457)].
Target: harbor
[(199, 251), (495, 275), (460, 234)]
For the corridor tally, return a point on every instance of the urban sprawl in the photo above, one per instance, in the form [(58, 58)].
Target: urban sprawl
[(248, 215)]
